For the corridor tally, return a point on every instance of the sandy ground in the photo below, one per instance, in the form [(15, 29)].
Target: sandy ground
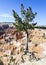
[(40, 62)]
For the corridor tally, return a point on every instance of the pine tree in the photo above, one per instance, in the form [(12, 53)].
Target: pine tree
[(25, 22)]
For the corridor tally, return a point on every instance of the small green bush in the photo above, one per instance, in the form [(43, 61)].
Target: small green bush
[(1, 63), (1, 43)]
